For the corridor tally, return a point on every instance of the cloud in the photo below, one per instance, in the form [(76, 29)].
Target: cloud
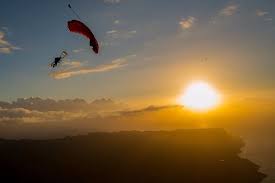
[(37, 110), (111, 32), (149, 109), (36, 117), (115, 34), (229, 10), (21, 115), (116, 37), (72, 64), (261, 13), (5, 46), (133, 32), (76, 68), (268, 19), (68, 105), (5, 50), (78, 50), (116, 22), (187, 23), (6, 29), (67, 73), (111, 1)]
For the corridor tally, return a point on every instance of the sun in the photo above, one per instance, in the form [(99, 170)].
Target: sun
[(200, 96)]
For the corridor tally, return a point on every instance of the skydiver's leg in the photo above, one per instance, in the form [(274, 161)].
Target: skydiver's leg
[(54, 64)]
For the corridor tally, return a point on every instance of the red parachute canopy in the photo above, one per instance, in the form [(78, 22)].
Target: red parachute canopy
[(80, 28)]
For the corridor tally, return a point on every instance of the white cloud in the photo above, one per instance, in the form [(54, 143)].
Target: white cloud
[(38, 110), (116, 22), (5, 46), (67, 73), (261, 13), (3, 42), (112, 1), (72, 64), (268, 19), (31, 116), (68, 105), (187, 23), (5, 28), (229, 10), (133, 32), (78, 50), (5, 50), (115, 34), (111, 32)]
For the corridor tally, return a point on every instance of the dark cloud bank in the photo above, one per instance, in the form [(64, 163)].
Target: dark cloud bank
[(48, 118)]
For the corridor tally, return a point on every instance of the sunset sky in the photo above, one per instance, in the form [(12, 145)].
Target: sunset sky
[(162, 65), (152, 49)]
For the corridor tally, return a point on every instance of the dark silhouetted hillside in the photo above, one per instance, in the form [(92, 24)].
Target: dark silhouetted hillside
[(189, 156)]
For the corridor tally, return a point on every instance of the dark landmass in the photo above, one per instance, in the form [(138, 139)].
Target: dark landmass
[(189, 156)]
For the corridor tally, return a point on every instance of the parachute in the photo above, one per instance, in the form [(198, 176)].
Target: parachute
[(77, 26)]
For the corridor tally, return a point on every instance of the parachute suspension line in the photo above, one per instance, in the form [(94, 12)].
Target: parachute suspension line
[(69, 5)]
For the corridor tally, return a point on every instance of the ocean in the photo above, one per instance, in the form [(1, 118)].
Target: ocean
[(260, 149)]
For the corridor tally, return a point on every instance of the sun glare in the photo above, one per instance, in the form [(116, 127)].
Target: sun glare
[(200, 96)]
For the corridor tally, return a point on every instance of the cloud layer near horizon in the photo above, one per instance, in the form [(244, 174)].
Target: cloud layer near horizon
[(38, 110), (48, 118), (39, 118)]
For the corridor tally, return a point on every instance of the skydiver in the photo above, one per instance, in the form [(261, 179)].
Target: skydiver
[(57, 60)]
